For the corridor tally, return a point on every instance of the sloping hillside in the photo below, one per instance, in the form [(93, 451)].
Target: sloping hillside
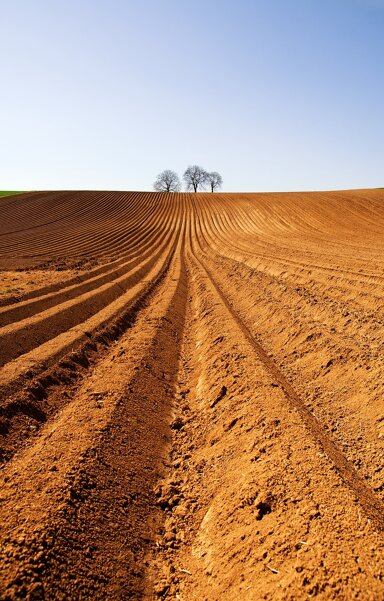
[(191, 395)]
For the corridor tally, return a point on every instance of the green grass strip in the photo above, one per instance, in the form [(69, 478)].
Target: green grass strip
[(10, 192)]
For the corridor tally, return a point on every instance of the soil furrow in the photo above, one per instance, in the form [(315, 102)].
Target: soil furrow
[(369, 501), (21, 337), (191, 396), (26, 400), (252, 509), (85, 488), (23, 310), (315, 352)]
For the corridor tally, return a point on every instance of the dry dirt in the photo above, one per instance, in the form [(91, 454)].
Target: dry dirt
[(191, 396)]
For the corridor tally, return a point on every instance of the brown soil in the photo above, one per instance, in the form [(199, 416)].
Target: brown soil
[(191, 396), (15, 285)]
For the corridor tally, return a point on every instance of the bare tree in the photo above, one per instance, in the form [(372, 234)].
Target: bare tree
[(215, 180), (195, 177), (167, 181)]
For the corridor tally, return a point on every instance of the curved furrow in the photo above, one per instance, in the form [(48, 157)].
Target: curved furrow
[(105, 236), (25, 385), (51, 288), (58, 218), (220, 240), (44, 328), (104, 431), (270, 251), (339, 366), (91, 201), (311, 294), (116, 276), (21, 337), (253, 506), (314, 341), (141, 244), (77, 201), (193, 410), (35, 207), (246, 224), (48, 235), (117, 238), (371, 503)]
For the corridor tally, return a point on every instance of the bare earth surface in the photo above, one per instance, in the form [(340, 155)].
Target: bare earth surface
[(191, 396)]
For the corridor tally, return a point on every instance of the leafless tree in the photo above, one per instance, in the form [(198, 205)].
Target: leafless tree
[(167, 181), (215, 180), (195, 177)]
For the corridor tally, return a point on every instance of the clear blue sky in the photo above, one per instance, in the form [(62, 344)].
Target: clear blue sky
[(274, 94)]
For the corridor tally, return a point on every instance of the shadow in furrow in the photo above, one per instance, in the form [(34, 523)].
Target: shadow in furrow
[(48, 390), (103, 533)]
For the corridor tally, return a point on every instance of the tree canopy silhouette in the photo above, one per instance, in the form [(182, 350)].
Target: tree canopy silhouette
[(214, 180), (167, 181), (195, 178)]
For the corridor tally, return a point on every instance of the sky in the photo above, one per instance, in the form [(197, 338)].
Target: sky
[(276, 95)]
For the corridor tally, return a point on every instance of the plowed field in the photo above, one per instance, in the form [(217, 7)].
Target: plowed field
[(191, 396)]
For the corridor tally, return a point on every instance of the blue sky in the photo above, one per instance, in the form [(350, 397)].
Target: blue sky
[(273, 94)]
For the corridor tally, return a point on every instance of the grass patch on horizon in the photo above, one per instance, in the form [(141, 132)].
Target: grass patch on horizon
[(10, 192)]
